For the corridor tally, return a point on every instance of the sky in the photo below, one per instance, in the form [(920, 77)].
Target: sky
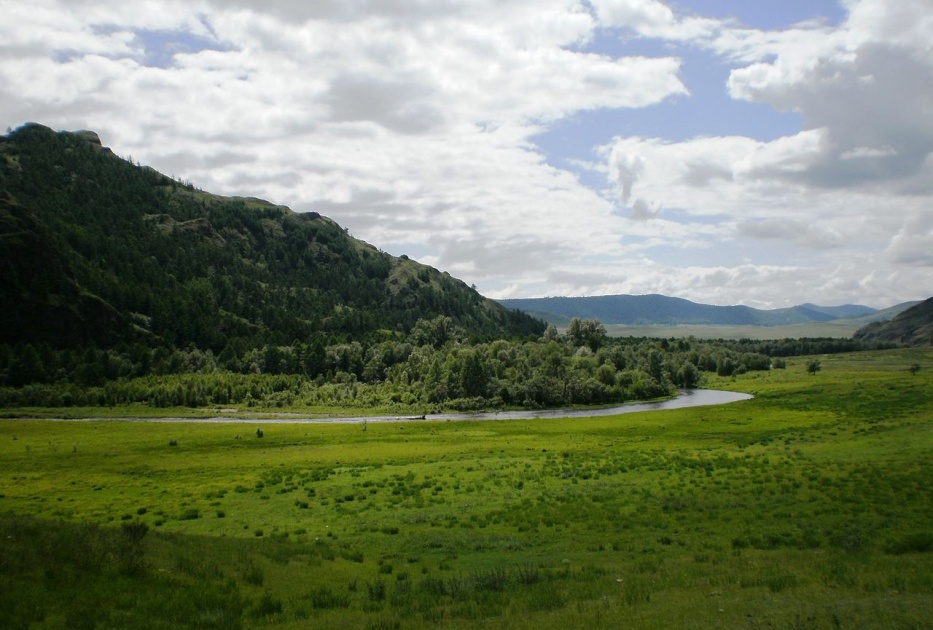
[(723, 151)]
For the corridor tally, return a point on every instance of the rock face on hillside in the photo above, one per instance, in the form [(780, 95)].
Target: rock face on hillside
[(913, 327)]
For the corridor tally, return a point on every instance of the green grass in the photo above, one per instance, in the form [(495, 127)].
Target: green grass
[(144, 411), (807, 507)]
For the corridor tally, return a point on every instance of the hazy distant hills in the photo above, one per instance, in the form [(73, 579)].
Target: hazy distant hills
[(660, 310), (97, 250), (913, 327)]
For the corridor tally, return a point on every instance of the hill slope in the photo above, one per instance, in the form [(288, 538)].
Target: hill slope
[(96, 249), (912, 327), (640, 310)]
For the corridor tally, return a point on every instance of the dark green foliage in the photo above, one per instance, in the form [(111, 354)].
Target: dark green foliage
[(460, 375), (148, 291), (266, 606), (323, 598), (190, 514), (376, 590), (586, 332), (131, 554), (920, 542), (87, 576), (97, 250)]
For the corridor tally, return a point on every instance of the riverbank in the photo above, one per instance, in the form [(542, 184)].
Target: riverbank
[(685, 399)]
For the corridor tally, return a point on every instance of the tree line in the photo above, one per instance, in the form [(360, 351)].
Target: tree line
[(435, 366)]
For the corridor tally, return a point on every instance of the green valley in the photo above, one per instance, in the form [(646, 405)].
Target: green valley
[(808, 506)]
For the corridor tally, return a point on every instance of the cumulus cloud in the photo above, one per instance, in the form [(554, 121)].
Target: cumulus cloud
[(409, 121), (861, 162), (641, 211), (867, 86), (795, 231), (652, 18), (413, 123), (913, 244)]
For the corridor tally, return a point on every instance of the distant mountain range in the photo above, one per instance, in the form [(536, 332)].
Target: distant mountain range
[(660, 310)]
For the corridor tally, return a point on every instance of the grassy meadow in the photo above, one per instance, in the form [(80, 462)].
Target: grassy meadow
[(810, 506)]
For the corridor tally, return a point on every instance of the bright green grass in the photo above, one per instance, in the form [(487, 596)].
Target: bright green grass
[(808, 507)]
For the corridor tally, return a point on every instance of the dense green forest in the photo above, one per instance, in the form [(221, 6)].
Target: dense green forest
[(433, 368), (98, 250), (124, 286)]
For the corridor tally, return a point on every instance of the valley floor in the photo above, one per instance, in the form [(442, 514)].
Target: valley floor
[(808, 506)]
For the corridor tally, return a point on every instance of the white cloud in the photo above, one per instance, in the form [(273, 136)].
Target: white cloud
[(861, 163), (866, 86), (652, 18), (913, 244), (412, 123), (408, 122), (862, 153)]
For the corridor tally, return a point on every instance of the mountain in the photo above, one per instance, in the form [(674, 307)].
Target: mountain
[(640, 310), (95, 249), (913, 327), (846, 311)]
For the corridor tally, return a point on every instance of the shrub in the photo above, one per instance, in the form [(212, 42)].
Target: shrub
[(920, 542), (323, 598), (495, 579), (376, 590), (190, 514), (384, 624), (527, 575), (252, 574), (266, 606), (433, 586), (779, 581)]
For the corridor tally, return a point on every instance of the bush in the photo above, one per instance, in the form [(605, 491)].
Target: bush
[(376, 590), (190, 514), (252, 574), (323, 598), (920, 542), (266, 606)]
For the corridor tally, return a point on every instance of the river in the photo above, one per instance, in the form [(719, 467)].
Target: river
[(687, 398)]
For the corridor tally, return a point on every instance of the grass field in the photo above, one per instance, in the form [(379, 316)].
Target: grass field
[(810, 506)]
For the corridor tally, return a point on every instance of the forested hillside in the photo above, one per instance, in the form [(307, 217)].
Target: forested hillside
[(122, 286), (913, 327), (97, 250)]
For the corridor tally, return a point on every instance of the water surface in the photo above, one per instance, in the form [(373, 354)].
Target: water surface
[(687, 398)]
